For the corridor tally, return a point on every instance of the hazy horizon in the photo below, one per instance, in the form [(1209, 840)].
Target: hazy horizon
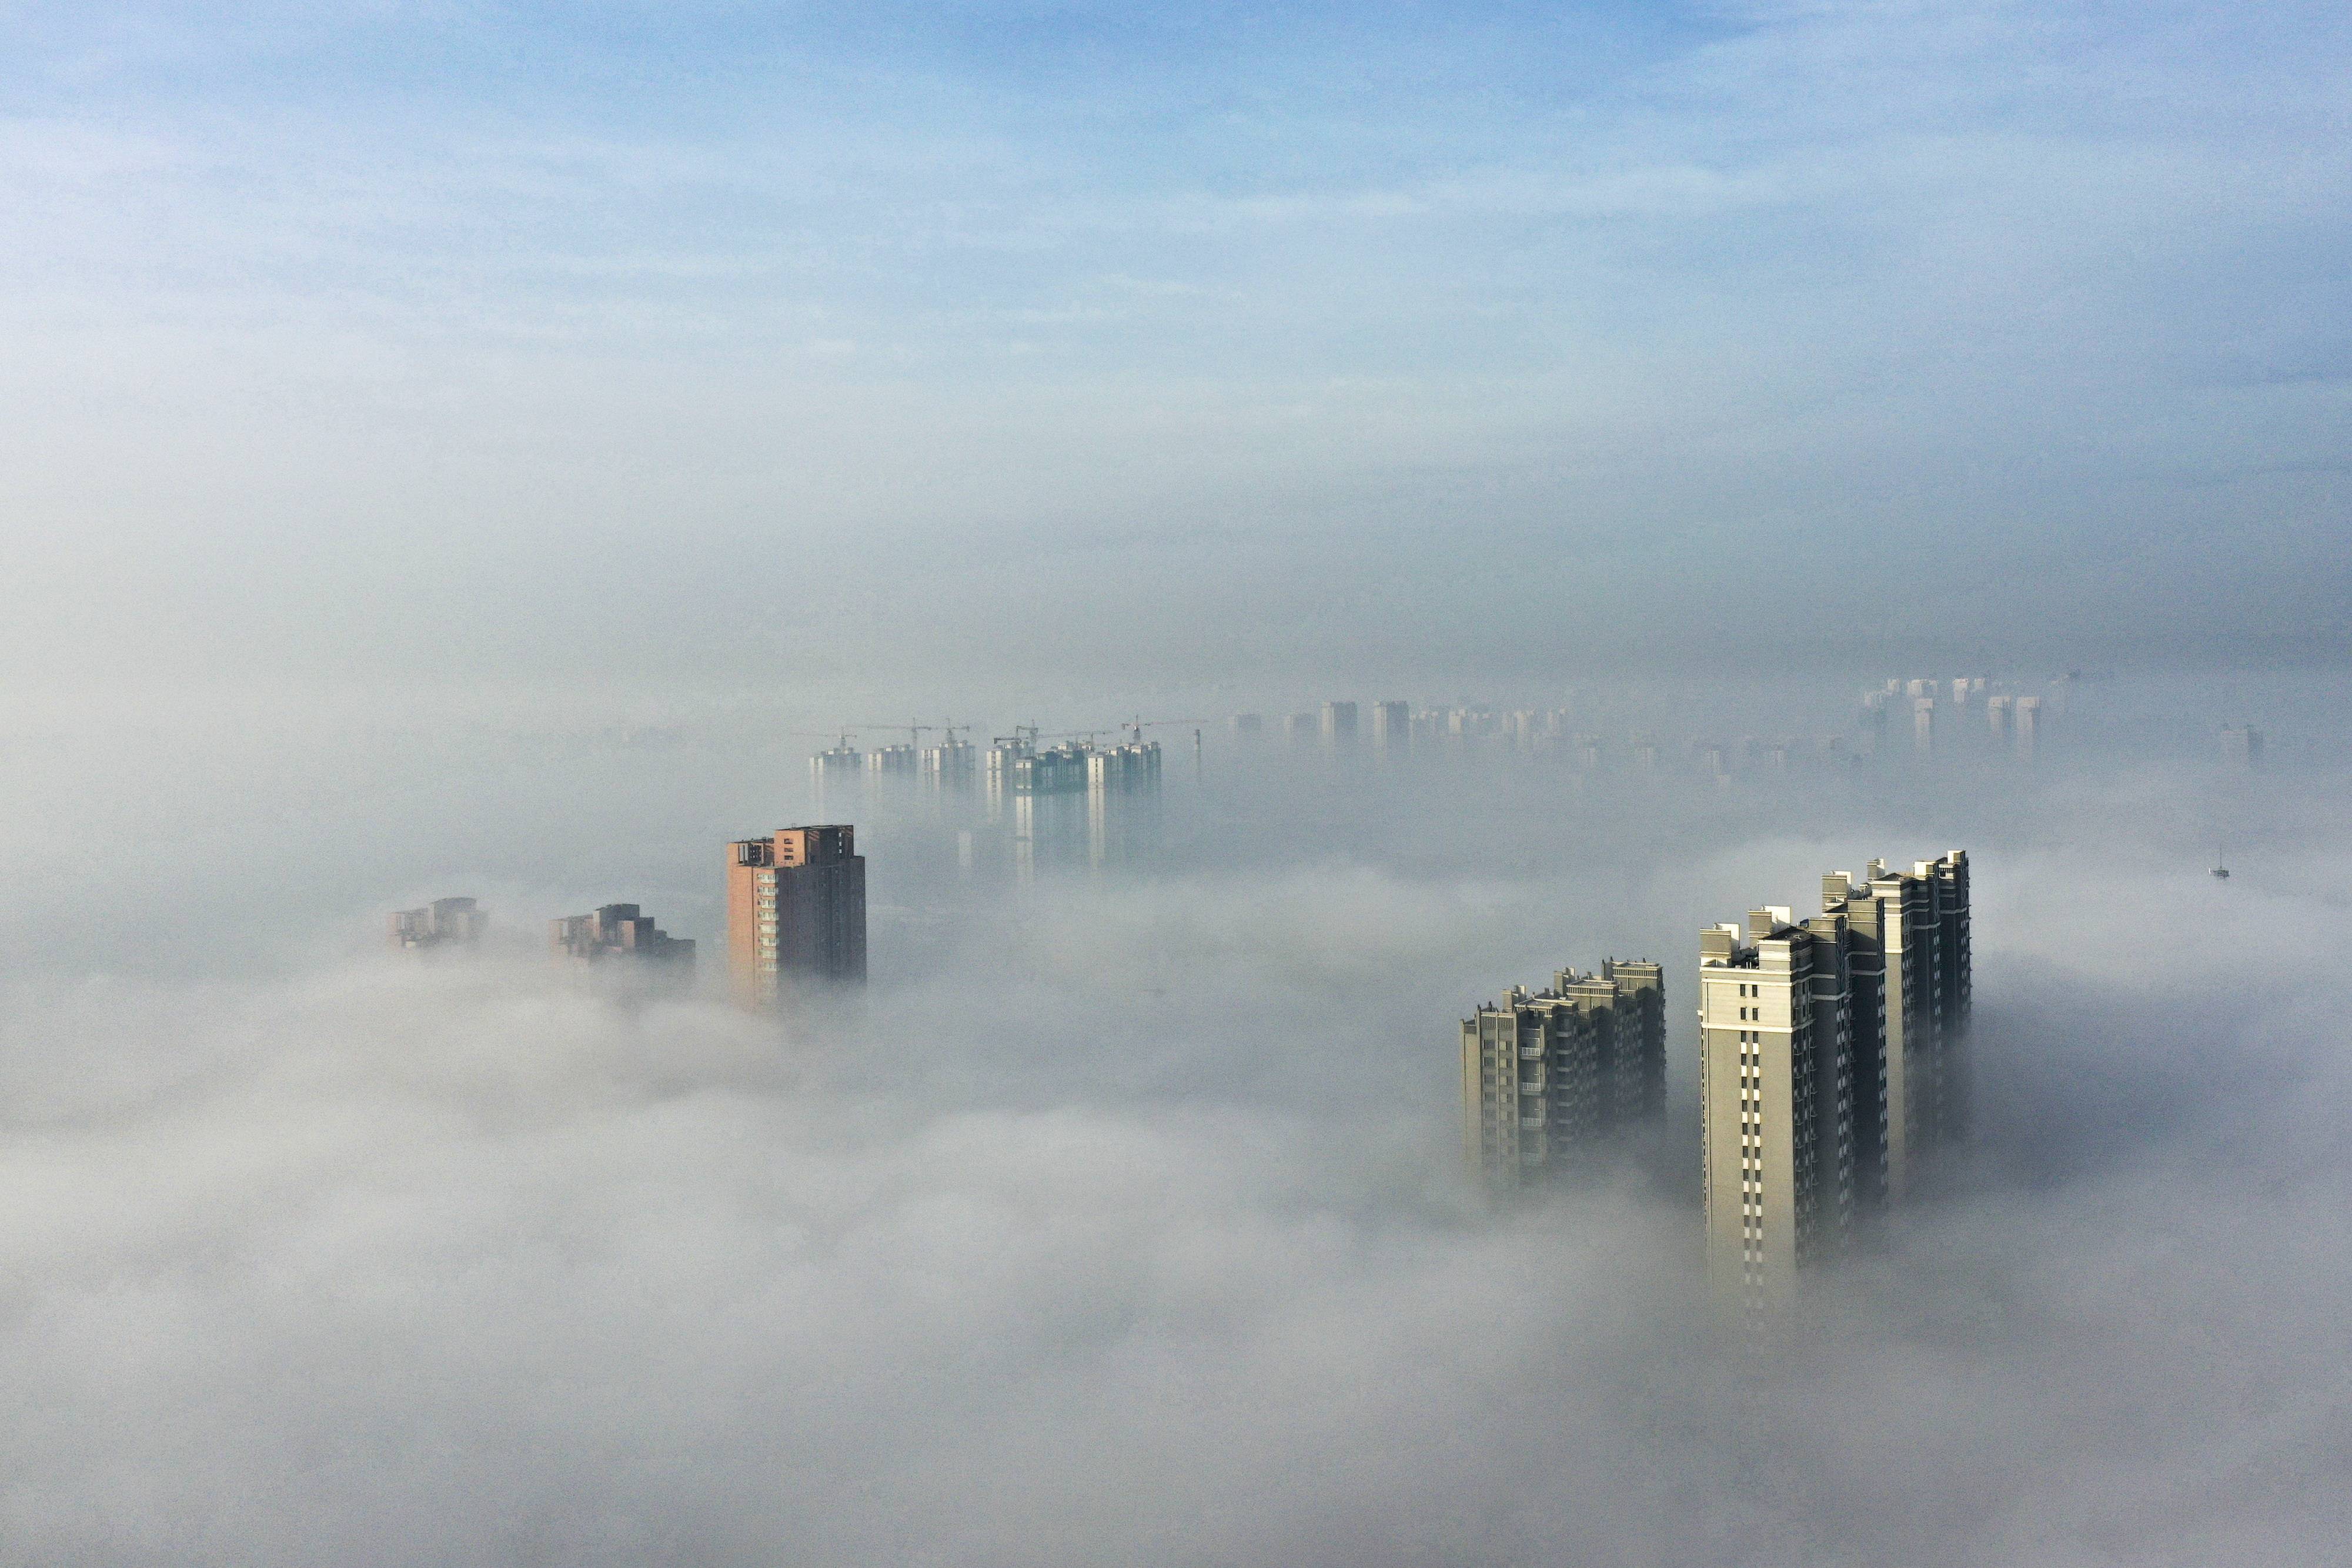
[(711, 345)]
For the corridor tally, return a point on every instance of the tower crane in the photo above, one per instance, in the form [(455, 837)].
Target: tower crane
[(1140, 724)]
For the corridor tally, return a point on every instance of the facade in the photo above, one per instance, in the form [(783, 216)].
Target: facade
[(1072, 804), (2242, 745), (1392, 726), (1003, 751), (834, 768), (1873, 718), (1775, 1101), (1123, 769), (1056, 770), (1547, 1077), (1913, 985), (1337, 725), (442, 923), (796, 912), (618, 931), (1017, 767), (1122, 802), (1831, 1063), (951, 764)]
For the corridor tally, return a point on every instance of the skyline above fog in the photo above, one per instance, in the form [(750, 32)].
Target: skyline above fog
[(1125, 1221), (699, 345), (481, 452)]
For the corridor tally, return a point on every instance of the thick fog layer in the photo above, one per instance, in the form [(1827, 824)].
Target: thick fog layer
[(1124, 1220), (465, 451)]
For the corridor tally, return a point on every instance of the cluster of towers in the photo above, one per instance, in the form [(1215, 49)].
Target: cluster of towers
[(1549, 1076), (1833, 1061), (2011, 719), (1045, 801), (951, 764), (1568, 736), (795, 921), (1071, 804), (1398, 726)]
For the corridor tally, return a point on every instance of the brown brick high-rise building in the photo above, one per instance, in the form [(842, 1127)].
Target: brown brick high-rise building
[(796, 912)]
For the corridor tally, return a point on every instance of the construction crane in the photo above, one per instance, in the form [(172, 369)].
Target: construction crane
[(1124, 727), (915, 731), (946, 728), (1138, 724)]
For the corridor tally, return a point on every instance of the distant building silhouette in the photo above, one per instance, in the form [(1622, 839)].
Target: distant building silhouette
[(441, 922), (618, 931), (1338, 726)]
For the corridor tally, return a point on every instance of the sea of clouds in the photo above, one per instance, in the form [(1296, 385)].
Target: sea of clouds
[(1123, 1221)]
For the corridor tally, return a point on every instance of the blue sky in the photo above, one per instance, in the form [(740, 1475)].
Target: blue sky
[(1304, 326)]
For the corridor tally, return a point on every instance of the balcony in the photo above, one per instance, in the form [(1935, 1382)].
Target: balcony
[(1531, 1052), (1531, 1124)]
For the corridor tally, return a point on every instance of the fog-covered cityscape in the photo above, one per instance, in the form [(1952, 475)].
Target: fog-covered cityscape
[(1062, 784)]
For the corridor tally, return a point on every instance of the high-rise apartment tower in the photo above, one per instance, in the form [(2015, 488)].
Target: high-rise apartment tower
[(1339, 725), (1912, 982), (1545, 1077), (1832, 1063), (796, 912)]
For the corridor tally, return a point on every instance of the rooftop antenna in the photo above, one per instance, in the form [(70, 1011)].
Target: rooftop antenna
[(2220, 865)]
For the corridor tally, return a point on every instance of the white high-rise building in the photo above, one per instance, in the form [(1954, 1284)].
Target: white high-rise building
[(1832, 1062)]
